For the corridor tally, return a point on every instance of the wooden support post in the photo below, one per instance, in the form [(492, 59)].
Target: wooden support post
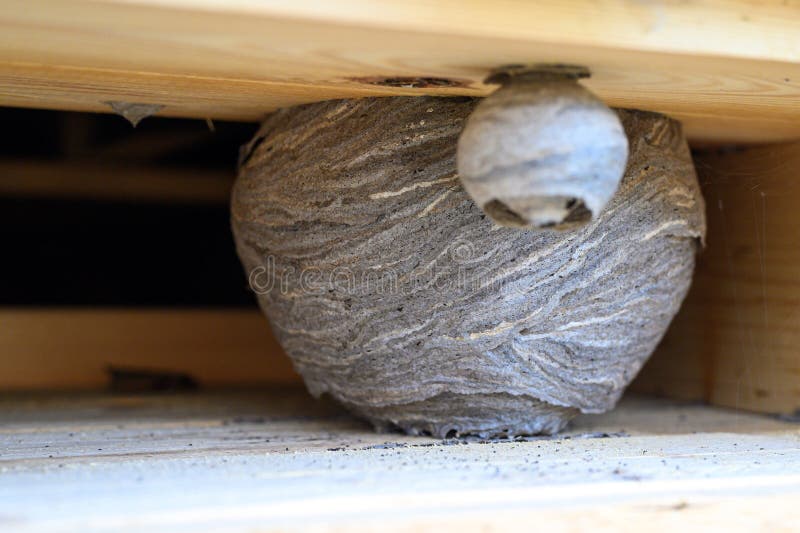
[(737, 340)]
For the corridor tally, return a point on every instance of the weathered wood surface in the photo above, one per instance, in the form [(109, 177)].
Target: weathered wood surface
[(279, 461), (736, 342), (729, 70)]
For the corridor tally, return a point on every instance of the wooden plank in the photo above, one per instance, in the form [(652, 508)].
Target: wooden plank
[(108, 182), (279, 461), (729, 69), (72, 347), (736, 341)]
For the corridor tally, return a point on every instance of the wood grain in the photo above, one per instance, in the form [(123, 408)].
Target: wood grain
[(730, 70), (736, 341), (71, 348)]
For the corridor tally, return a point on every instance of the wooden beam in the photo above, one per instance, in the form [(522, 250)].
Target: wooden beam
[(97, 181), (736, 342), (729, 69), (71, 348)]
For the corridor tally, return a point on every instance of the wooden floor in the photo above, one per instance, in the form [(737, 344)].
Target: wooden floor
[(280, 461)]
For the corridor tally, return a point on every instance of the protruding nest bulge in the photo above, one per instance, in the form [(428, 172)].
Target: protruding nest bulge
[(393, 292), (542, 153)]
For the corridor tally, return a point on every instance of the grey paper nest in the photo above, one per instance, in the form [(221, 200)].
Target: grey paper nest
[(394, 293)]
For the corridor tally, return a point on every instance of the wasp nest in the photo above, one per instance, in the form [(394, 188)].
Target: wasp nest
[(393, 292), (542, 151)]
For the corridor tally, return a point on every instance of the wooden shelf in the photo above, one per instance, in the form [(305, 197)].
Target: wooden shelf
[(730, 70), (276, 460), (280, 461)]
